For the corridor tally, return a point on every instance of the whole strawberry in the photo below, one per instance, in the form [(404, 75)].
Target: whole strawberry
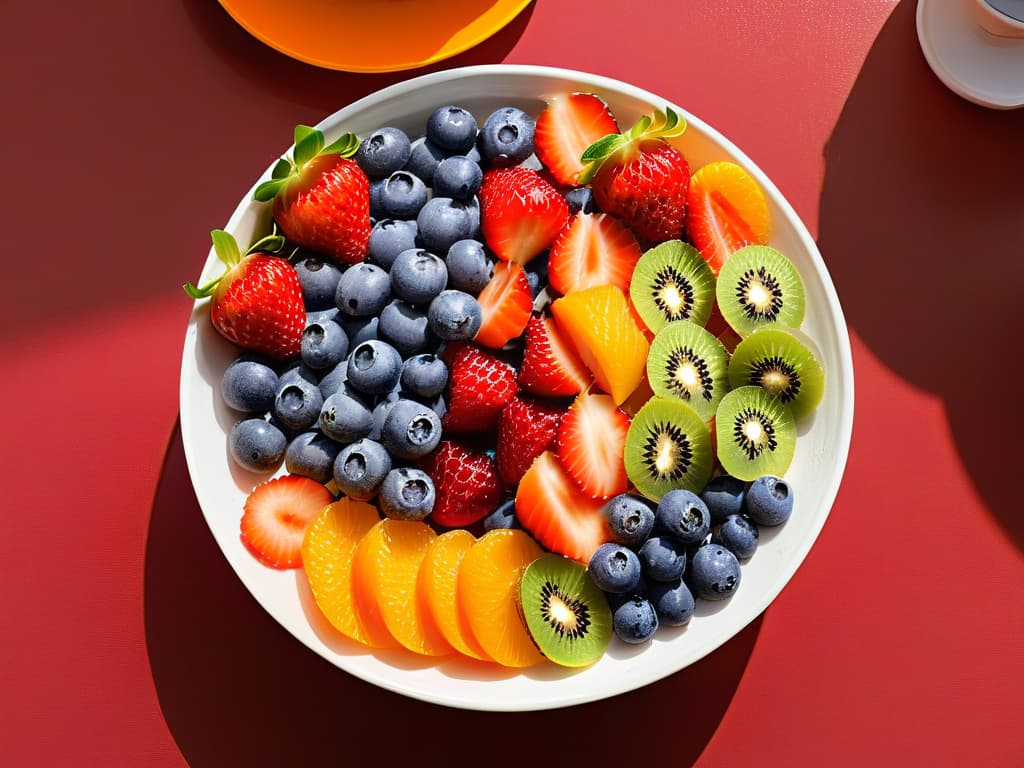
[(526, 428), (321, 197), (257, 302), (466, 484), (640, 178)]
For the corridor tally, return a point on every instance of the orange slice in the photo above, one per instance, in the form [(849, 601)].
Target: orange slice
[(726, 210)]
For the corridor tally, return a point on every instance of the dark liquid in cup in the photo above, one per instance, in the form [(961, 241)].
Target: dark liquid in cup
[(1012, 8)]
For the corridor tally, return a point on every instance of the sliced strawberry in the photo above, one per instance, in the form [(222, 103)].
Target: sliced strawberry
[(466, 484), (560, 516), (526, 428), (570, 123), (479, 386), (520, 213), (276, 516), (592, 249), (591, 441), (506, 303), (550, 365)]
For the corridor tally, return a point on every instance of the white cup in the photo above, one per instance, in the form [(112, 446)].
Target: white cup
[(994, 21)]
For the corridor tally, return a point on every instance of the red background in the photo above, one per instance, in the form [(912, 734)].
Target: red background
[(131, 130)]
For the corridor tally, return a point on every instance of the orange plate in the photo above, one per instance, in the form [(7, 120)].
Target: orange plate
[(372, 35)]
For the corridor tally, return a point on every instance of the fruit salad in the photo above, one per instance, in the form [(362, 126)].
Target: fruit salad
[(522, 386)]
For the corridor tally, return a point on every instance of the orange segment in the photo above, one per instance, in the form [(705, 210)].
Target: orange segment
[(386, 565), (726, 210), (488, 585), (437, 588), (607, 337), (327, 551)]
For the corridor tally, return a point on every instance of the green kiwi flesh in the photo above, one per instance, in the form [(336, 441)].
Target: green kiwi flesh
[(687, 362), (672, 282), (778, 362), (758, 287), (668, 446), (756, 434), (565, 613)]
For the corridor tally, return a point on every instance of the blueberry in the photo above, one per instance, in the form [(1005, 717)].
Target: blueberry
[(249, 385), (324, 345), (630, 519), (417, 276), (452, 128), (672, 601), (737, 534), (424, 157), (323, 315), (469, 269), (364, 290), (424, 375), (439, 406), (769, 501), (507, 137), (683, 515), (383, 152), (360, 329), (411, 430), (635, 620), (374, 367), (455, 316), (297, 404), (360, 468), (714, 572), (334, 380), (723, 496), (663, 558), (319, 281), (537, 273), (388, 238), (345, 418), (256, 444), (376, 203), (404, 327), (296, 370), (407, 494), (403, 195), (502, 517), (442, 221), (457, 177), (580, 199), (614, 568), (312, 455), (474, 152), (380, 415)]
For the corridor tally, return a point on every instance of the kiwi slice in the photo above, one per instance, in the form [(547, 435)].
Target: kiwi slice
[(758, 287), (778, 362), (566, 614), (668, 446), (756, 434), (672, 282), (687, 362)]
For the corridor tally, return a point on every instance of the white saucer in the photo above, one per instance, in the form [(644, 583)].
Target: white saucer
[(981, 67)]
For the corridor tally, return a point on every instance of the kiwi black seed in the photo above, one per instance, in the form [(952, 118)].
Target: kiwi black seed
[(756, 434), (781, 364), (759, 287), (566, 614), (687, 362), (672, 282), (668, 446)]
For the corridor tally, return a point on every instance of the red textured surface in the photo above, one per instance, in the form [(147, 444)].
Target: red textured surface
[(132, 130)]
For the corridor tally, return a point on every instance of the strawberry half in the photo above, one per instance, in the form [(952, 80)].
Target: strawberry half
[(593, 249), (506, 303), (276, 516), (479, 386), (560, 516), (642, 179), (526, 428), (466, 484), (591, 442), (321, 197), (520, 213), (551, 366), (570, 123), (257, 303)]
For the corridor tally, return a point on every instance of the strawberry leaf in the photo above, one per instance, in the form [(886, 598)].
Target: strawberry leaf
[(301, 132), (282, 169), (308, 148), (225, 247), (346, 145), (268, 190), (602, 147)]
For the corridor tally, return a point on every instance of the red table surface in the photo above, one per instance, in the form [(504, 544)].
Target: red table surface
[(131, 129)]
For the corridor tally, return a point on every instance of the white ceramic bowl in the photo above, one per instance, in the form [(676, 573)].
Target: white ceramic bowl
[(815, 473)]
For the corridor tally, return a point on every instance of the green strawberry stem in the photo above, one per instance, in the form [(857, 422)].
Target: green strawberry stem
[(663, 125), (226, 248), (309, 145)]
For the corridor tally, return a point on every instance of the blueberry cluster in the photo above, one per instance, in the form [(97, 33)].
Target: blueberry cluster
[(688, 546)]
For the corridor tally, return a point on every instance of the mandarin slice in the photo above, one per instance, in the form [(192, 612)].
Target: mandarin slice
[(327, 553), (607, 336), (386, 565), (437, 587), (488, 588), (726, 210)]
